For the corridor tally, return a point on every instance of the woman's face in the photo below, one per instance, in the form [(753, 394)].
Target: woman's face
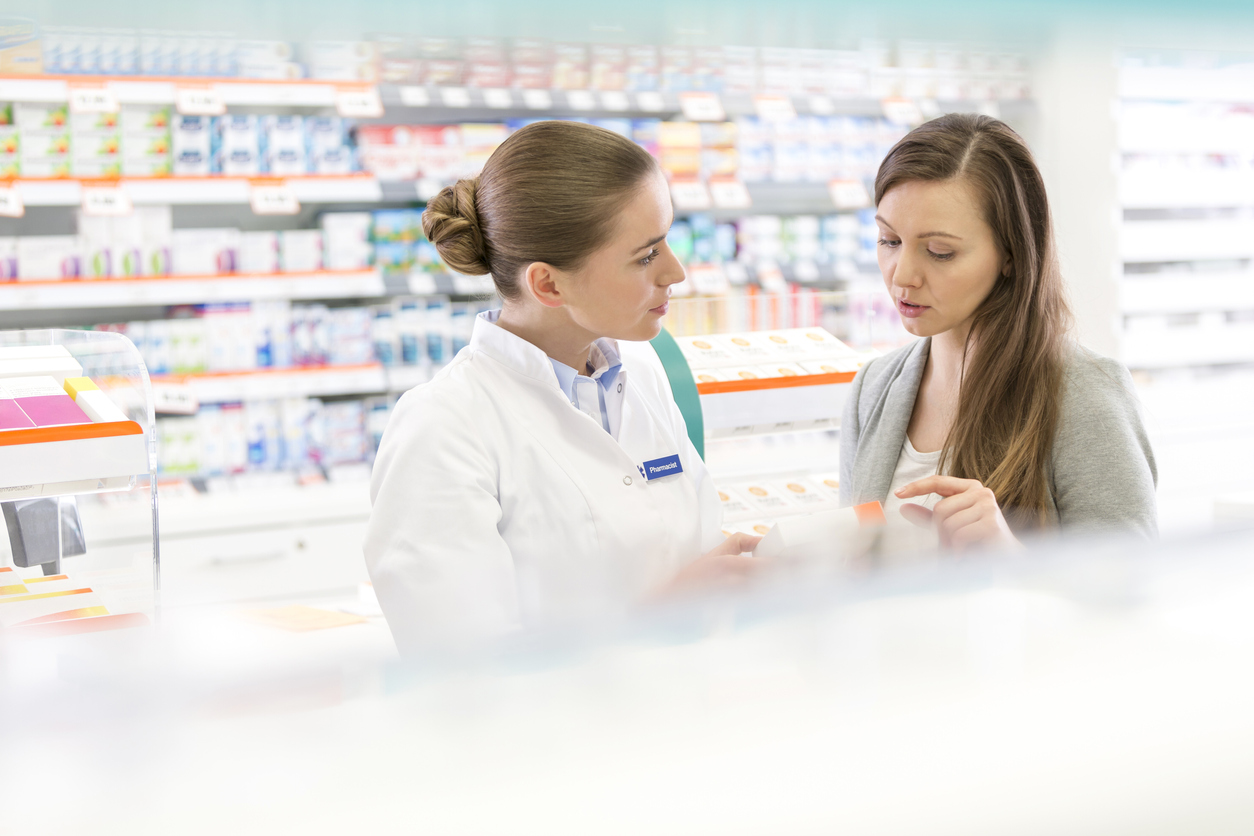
[(937, 254), (622, 291)]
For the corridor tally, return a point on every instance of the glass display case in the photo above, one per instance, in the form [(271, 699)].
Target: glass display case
[(76, 427)]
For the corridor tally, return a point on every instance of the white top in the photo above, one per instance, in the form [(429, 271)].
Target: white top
[(497, 504), (901, 535), (599, 393)]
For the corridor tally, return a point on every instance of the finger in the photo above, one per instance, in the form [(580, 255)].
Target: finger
[(943, 485), (951, 505), (917, 514), (737, 543), (961, 521)]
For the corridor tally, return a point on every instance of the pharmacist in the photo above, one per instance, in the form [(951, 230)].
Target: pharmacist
[(995, 425), (546, 472)]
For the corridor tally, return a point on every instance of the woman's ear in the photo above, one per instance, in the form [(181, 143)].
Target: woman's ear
[(1006, 267), (540, 280)]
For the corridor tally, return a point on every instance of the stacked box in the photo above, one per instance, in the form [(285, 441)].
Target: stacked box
[(97, 144), (45, 139), (346, 240), (237, 145), (191, 144), (283, 141), (327, 149), (146, 141), (10, 143)]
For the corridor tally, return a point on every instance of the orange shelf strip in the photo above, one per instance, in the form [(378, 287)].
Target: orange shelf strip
[(720, 387), (70, 432)]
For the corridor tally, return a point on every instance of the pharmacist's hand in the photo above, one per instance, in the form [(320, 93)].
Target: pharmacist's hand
[(727, 564), (967, 516)]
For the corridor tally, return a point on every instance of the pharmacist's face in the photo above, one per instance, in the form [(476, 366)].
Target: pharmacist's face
[(624, 288), (937, 254)]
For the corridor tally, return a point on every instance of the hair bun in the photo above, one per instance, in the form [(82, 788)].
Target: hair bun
[(451, 223)]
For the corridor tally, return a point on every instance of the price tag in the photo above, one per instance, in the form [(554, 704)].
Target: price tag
[(849, 194), (615, 100), (805, 271), (428, 187), (415, 97), (690, 194), (422, 284), (107, 200), (538, 99), (581, 100), (702, 107), (455, 97), (174, 399), (708, 279), (651, 101), (199, 101), (774, 108), (736, 272), (359, 104), (771, 278), (498, 97), (11, 205), (822, 105), (273, 199), (93, 100), (902, 111), (729, 193)]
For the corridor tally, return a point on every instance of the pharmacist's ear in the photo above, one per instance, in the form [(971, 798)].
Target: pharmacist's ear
[(1007, 266), (541, 281)]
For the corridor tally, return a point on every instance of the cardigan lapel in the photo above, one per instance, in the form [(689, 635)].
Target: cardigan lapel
[(879, 450)]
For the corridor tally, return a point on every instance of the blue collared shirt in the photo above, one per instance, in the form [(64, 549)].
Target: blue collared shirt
[(598, 394)]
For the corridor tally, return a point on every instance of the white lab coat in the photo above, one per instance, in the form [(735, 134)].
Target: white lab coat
[(497, 504)]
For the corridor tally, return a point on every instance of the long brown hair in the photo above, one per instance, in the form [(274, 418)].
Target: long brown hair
[(549, 193), (1014, 357)]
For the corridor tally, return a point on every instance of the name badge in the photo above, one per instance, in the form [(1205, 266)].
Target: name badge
[(660, 468)]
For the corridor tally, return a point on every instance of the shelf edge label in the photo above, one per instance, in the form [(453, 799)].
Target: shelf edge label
[(702, 107), (269, 198), (11, 205), (199, 101), (93, 99), (359, 104), (107, 200)]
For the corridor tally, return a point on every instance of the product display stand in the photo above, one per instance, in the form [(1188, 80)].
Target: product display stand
[(51, 582)]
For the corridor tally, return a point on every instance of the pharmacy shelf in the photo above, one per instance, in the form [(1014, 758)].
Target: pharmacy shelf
[(269, 384), (213, 189), (187, 290), (1233, 84), (1148, 188), (158, 90), (1186, 292), (1186, 240), (1210, 341)]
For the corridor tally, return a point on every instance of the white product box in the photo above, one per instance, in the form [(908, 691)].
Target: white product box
[(34, 352), (704, 353), (300, 250), (42, 145), (833, 366), (30, 116), (764, 498), (286, 162), (97, 240), (346, 240), (324, 133), (259, 252), (803, 491), (239, 131), (49, 257), (333, 161), (191, 144), (239, 162), (56, 367), (835, 533), (733, 506), (284, 132), (782, 369), (204, 251), (711, 375)]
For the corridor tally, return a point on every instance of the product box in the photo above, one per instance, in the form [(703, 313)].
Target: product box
[(803, 491), (272, 60), (96, 241), (20, 49), (339, 160), (8, 259), (342, 60), (191, 143), (283, 141), (11, 415), (733, 506), (346, 240), (94, 403), (49, 257), (17, 374), (259, 252), (300, 250), (764, 498), (204, 251), (147, 145), (838, 532), (44, 400), (324, 133)]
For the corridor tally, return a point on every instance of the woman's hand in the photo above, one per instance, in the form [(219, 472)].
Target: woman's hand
[(727, 564), (967, 516)]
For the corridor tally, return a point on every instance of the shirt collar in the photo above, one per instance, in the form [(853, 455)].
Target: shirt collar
[(520, 355)]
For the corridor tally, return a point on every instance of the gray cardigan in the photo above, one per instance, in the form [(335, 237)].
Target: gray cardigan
[(1102, 473)]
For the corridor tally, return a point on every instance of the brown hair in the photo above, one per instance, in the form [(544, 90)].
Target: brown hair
[(549, 193), (1013, 361)]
